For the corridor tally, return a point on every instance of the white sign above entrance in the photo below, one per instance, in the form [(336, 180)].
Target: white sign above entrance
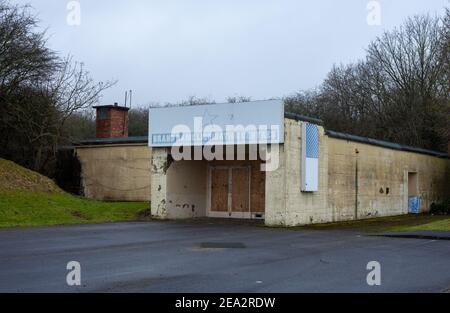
[(256, 122)]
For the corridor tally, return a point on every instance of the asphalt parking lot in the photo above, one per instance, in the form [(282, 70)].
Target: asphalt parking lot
[(216, 256)]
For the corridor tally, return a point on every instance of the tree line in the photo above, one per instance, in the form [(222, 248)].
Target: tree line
[(400, 92), (81, 125), (39, 91)]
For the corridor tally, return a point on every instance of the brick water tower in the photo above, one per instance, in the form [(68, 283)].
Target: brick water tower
[(111, 121)]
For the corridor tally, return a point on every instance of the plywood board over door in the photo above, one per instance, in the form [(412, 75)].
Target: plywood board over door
[(219, 189), (240, 189), (257, 190), (245, 185)]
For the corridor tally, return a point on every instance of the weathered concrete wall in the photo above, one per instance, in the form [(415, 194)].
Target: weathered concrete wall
[(275, 211), (360, 175), (180, 188), (159, 166), (186, 189), (285, 203), (115, 172), (356, 180), (353, 181)]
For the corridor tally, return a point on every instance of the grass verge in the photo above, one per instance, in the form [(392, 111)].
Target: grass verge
[(410, 222), (28, 208)]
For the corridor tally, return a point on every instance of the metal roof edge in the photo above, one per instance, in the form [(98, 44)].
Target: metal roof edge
[(119, 140), (384, 144), (298, 117)]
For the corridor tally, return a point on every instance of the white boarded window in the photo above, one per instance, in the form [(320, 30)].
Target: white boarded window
[(310, 157)]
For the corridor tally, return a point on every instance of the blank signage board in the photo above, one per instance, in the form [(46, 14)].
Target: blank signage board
[(310, 157), (227, 123)]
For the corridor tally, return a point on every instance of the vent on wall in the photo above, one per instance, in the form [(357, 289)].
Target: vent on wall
[(310, 157)]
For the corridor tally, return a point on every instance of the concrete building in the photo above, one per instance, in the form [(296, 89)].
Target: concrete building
[(321, 175)]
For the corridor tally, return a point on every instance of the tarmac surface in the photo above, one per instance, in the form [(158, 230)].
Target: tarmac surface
[(216, 256)]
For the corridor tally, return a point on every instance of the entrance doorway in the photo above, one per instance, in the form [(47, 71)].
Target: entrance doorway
[(236, 190), (230, 191), (413, 193), (412, 184)]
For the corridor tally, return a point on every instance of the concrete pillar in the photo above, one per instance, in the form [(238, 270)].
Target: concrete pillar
[(159, 168), (286, 204), (275, 198)]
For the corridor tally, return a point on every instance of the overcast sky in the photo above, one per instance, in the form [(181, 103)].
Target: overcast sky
[(168, 50)]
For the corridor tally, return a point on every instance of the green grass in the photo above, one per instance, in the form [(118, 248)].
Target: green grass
[(439, 223), (410, 222), (29, 208), (28, 198)]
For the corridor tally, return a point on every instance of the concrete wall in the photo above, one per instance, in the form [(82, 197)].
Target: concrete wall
[(115, 172), (285, 203), (180, 188), (159, 167), (186, 189), (353, 181), (379, 169)]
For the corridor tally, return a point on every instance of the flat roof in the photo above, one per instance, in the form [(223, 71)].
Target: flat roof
[(118, 140)]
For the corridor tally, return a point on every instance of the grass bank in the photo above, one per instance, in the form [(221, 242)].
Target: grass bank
[(22, 208), (30, 199)]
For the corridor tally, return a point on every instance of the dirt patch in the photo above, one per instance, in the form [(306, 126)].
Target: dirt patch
[(144, 214), (79, 215)]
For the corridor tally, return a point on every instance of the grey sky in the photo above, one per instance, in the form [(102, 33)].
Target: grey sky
[(168, 50)]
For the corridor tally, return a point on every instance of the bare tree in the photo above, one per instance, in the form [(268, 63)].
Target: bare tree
[(238, 99), (191, 100), (400, 92), (138, 122), (38, 90), (445, 53), (409, 62), (72, 89), (24, 57)]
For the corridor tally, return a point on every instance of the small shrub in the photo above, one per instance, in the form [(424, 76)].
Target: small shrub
[(442, 208)]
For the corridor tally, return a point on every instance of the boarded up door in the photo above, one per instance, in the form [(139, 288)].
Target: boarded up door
[(257, 189), (219, 189), (240, 190), (230, 193)]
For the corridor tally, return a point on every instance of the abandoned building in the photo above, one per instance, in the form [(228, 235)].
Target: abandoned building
[(319, 176)]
